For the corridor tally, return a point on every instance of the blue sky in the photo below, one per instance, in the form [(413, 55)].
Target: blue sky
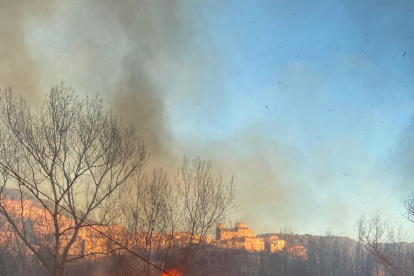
[(309, 103), (326, 89)]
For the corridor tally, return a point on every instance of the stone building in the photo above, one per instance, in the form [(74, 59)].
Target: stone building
[(240, 237), (253, 244), (239, 231), (274, 244)]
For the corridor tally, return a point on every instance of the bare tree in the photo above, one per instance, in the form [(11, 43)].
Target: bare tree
[(150, 212), (386, 245), (71, 153), (15, 256), (205, 200), (168, 224), (409, 207)]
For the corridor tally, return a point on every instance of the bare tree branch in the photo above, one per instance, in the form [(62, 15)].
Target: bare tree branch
[(71, 150)]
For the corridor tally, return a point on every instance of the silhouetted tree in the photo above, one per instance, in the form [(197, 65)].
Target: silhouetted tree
[(69, 152)]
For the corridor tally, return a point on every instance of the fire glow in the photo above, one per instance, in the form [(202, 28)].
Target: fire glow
[(173, 272)]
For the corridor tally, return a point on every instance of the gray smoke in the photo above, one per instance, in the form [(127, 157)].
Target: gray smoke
[(121, 50), (18, 67)]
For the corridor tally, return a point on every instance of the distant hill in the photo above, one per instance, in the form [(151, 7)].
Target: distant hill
[(306, 240)]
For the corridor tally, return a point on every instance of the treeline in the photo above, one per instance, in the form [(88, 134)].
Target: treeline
[(326, 256)]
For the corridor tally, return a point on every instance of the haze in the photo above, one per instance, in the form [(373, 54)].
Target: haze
[(308, 103)]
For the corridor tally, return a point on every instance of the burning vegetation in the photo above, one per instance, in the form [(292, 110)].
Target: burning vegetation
[(173, 272)]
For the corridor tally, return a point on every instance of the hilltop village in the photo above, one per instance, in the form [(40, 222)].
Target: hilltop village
[(38, 224), (242, 237)]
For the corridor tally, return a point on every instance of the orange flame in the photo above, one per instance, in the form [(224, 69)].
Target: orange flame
[(173, 272)]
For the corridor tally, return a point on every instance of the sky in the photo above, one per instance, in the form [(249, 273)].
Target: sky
[(310, 104)]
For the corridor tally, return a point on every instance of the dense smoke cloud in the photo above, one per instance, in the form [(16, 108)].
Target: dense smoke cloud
[(279, 94), (112, 48), (19, 68), (152, 36)]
